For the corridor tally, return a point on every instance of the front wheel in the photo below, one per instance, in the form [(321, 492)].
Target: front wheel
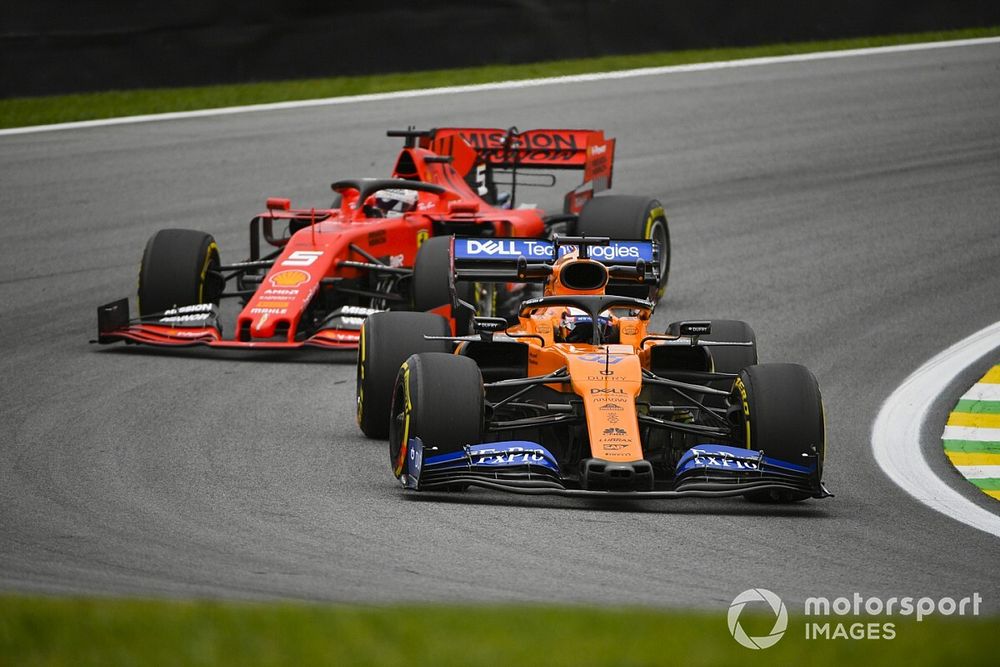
[(180, 267), (438, 398), (779, 410)]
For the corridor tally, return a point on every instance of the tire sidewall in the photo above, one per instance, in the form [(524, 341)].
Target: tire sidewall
[(174, 270), (438, 398), (782, 411)]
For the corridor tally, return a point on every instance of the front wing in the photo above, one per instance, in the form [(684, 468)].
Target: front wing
[(526, 467), (198, 326)]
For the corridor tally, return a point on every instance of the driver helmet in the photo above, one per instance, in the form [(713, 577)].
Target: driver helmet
[(396, 201), (578, 327)]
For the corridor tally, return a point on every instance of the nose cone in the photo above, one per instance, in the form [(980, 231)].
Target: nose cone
[(608, 379)]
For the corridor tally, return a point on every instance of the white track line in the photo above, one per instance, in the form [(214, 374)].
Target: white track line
[(505, 85), (896, 432)]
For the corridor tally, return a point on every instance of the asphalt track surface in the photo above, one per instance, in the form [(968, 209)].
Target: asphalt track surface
[(847, 208)]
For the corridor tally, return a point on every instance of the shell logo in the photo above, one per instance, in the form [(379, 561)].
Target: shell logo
[(290, 278)]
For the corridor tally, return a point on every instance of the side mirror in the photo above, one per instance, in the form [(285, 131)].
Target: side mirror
[(695, 328), (463, 206), (487, 326)]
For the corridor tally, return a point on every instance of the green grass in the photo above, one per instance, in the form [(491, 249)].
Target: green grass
[(72, 631), (20, 112)]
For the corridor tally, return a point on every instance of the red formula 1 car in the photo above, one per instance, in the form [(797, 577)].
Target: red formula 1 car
[(383, 244)]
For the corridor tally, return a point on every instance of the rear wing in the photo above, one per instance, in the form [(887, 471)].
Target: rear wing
[(530, 260), (475, 148), (555, 149)]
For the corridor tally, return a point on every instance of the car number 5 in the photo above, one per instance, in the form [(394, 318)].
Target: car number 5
[(302, 258)]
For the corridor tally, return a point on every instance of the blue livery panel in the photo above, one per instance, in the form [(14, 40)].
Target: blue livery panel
[(528, 467), (716, 458), (507, 250), (494, 457), (498, 454)]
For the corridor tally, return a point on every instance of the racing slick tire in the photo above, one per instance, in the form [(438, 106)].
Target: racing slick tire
[(726, 359), (180, 267), (779, 409), (438, 398), (630, 217), (387, 339), (431, 276)]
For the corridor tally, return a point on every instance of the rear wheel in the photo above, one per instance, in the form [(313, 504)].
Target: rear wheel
[(630, 217), (180, 267), (438, 398), (726, 359), (780, 411), (431, 283), (732, 359), (387, 339)]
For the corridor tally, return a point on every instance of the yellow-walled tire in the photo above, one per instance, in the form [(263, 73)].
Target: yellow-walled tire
[(180, 267), (438, 398), (780, 412)]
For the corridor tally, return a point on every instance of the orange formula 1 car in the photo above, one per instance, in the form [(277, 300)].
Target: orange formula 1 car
[(314, 275), (581, 398)]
